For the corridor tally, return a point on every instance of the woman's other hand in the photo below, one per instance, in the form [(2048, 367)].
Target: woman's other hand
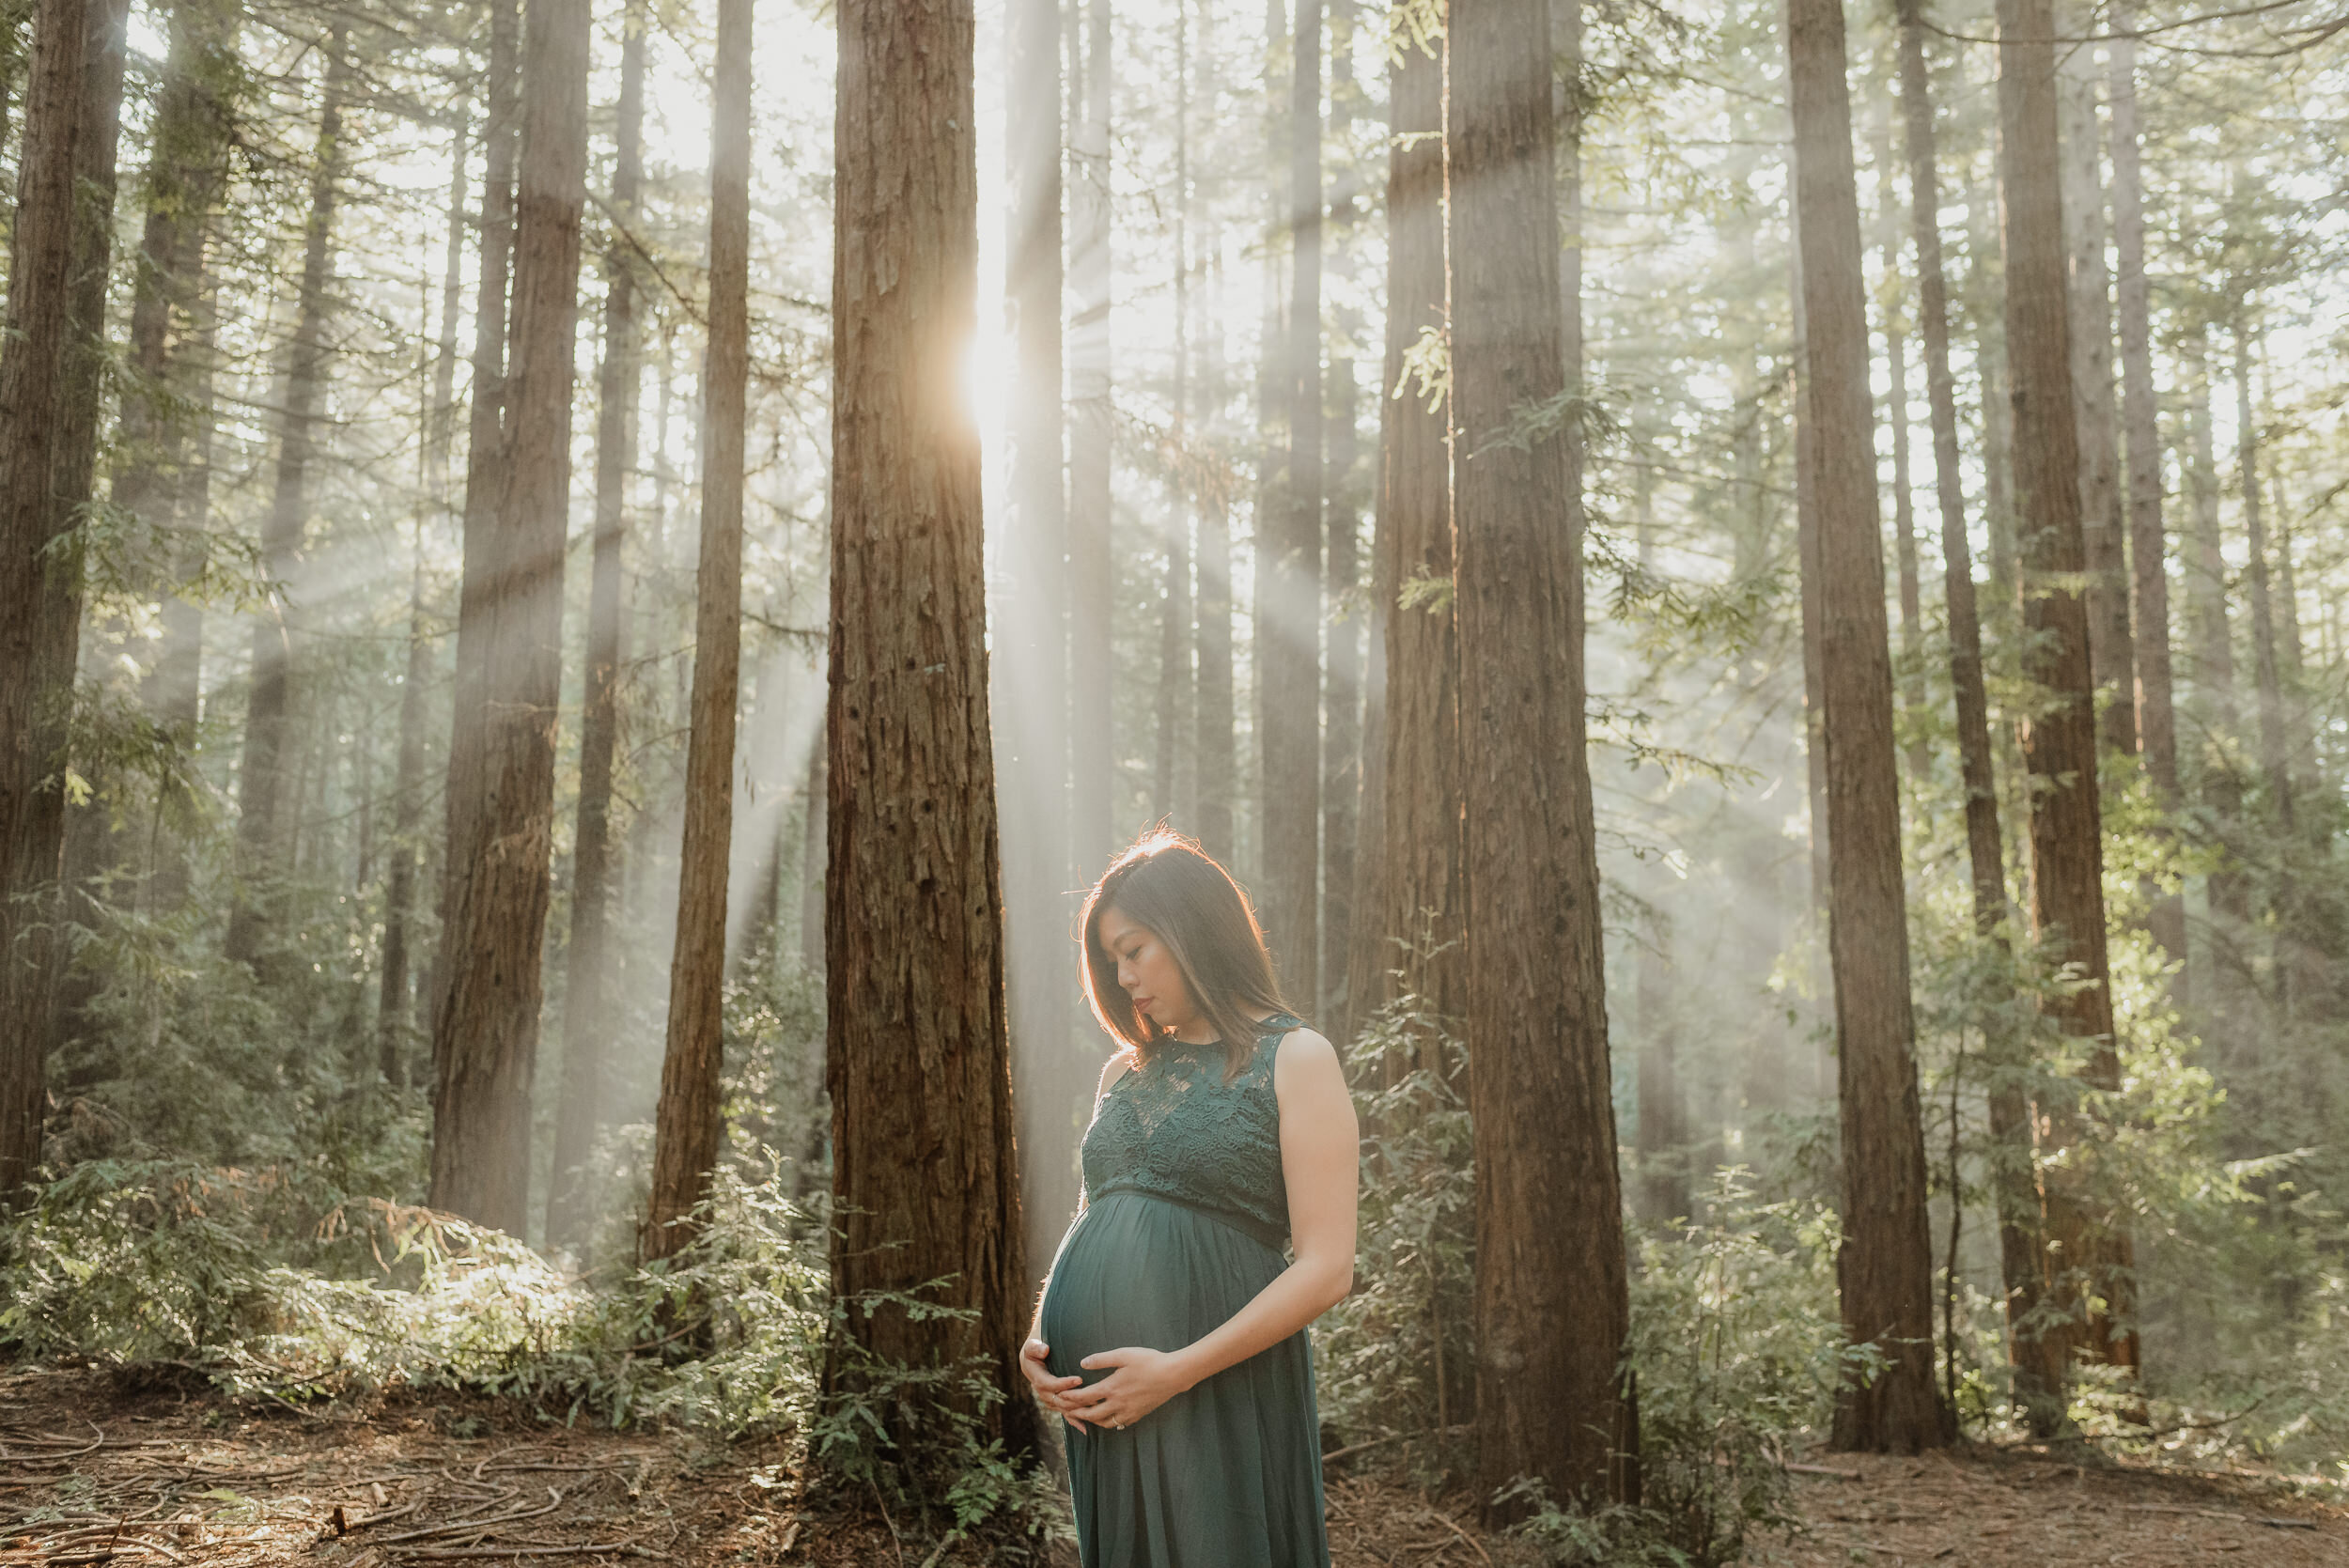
[(1142, 1380), (1049, 1388)]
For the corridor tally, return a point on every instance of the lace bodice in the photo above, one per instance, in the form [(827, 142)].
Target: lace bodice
[(1175, 1129)]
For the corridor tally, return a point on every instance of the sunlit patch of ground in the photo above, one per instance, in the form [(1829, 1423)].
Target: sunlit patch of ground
[(93, 1471)]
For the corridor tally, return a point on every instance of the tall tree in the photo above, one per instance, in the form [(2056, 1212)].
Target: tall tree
[(1031, 698), (1884, 1268), (916, 1049), (2156, 713), (1342, 758), (1552, 1308), (2014, 1193), (1219, 747), (686, 1125), (394, 1009), (590, 987), (51, 366), (1896, 415), (1092, 579), (2103, 518), (1171, 771), (1413, 876), (485, 1043), (1288, 566), (2267, 684), (2091, 1253), (267, 799)]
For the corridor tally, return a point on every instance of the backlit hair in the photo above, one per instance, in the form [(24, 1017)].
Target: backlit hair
[(1166, 883)]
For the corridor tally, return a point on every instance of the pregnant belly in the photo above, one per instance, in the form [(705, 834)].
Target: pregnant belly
[(1137, 1270)]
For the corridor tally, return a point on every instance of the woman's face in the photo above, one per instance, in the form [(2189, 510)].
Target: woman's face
[(1146, 972)]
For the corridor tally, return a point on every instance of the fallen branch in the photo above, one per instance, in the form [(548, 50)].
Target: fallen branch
[(2270, 1522), (1826, 1469), (624, 1548)]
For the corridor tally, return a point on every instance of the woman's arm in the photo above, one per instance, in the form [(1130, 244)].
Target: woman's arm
[(1320, 1145), (1032, 1354)]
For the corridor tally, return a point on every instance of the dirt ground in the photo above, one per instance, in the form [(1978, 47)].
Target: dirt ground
[(94, 1473)]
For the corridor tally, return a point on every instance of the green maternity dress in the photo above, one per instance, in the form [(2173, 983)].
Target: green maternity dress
[(1185, 1220)]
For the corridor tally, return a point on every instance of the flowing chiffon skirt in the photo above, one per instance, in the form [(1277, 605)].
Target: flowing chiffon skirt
[(1227, 1475)]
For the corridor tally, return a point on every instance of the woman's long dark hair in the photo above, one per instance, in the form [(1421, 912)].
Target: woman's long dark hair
[(1167, 883)]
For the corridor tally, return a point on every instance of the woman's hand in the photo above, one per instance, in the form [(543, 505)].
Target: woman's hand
[(1049, 1388), (1144, 1380)]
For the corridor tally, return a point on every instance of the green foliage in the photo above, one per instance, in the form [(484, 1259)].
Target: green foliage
[(1395, 1356)]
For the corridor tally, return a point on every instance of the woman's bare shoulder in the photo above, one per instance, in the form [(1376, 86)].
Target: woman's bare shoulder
[(1117, 1067), (1307, 1049)]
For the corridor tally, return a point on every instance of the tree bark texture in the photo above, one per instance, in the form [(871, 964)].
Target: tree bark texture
[(686, 1125), (71, 114), (1031, 673), (591, 990), (484, 438), (925, 1184), (1550, 1297), (1288, 564), (1409, 922), (2089, 1254), (485, 1028), (2103, 512), (267, 809), (1884, 1268), (1092, 579)]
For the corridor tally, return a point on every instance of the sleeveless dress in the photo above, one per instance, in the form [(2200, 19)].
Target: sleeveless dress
[(1185, 1220)]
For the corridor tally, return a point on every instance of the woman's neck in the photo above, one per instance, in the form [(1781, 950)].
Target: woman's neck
[(1197, 1031)]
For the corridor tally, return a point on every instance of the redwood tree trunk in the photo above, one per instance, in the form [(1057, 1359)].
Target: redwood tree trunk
[(2016, 1194), (1417, 884), (2090, 1250), (1903, 489), (591, 992), (2267, 684), (1551, 1309), (268, 812), (485, 1041), (72, 113), (686, 1125), (2111, 657), (1884, 1268), (916, 1049)]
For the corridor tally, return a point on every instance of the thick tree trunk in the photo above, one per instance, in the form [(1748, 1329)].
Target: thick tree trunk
[(2156, 713), (268, 810), (1091, 576), (51, 365), (485, 436), (2113, 658), (1551, 1301), (915, 1053), (1884, 1268), (2090, 1250), (686, 1125), (1288, 566), (1031, 673), (814, 835), (485, 1043), (1342, 755), (591, 992), (1408, 921)]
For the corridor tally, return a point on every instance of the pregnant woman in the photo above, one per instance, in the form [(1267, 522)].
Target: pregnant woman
[(1171, 1334)]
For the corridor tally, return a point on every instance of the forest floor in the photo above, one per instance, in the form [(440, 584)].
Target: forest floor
[(93, 1471)]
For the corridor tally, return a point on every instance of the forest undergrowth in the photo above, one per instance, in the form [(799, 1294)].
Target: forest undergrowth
[(284, 1290)]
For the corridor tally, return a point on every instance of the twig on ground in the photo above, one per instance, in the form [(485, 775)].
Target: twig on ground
[(622, 1548), (1826, 1469), (1465, 1536)]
